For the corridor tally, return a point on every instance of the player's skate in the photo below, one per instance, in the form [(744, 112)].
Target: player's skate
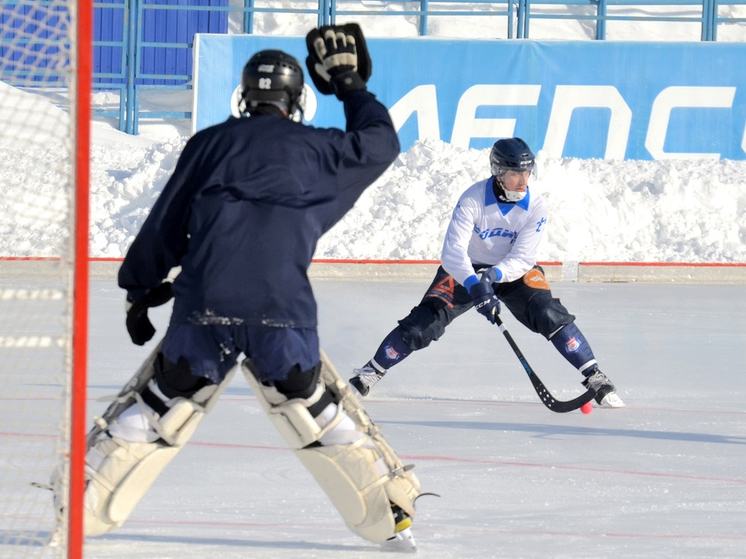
[(605, 390), (365, 378)]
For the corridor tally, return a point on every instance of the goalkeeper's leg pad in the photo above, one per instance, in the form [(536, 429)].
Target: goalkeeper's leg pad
[(337, 442), (126, 397), (119, 472)]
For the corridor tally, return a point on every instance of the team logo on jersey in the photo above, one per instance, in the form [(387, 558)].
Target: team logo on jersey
[(572, 345), (496, 232), (443, 290)]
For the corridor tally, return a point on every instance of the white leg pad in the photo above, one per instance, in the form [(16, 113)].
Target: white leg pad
[(356, 487), (119, 473), (400, 483), (291, 417), (362, 478)]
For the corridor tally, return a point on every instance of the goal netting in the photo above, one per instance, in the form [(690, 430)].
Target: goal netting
[(43, 149)]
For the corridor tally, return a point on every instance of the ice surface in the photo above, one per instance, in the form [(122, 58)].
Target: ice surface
[(663, 477)]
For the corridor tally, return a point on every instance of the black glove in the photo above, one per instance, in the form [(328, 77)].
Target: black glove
[(139, 326), (338, 60), (485, 300)]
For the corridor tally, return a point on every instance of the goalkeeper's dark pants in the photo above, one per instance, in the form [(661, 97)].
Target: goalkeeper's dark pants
[(195, 352)]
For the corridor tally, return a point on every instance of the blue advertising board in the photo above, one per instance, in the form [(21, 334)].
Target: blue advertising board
[(585, 99)]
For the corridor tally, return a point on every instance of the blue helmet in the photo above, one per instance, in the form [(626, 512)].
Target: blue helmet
[(511, 154)]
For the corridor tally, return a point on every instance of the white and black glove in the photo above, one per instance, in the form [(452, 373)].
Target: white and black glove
[(485, 300), (139, 327), (491, 275), (338, 60)]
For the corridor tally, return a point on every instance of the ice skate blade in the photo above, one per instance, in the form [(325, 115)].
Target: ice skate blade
[(360, 388), (56, 538), (611, 400), (402, 542)]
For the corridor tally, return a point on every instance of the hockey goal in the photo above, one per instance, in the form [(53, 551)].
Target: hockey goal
[(45, 73)]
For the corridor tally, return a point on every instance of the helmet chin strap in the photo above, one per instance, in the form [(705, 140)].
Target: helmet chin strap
[(514, 196), (507, 195)]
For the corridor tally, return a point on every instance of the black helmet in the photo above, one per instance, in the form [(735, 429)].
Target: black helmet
[(273, 77), (511, 154)]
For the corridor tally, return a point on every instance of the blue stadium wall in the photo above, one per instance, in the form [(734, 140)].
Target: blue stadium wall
[(155, 25), (585, 99)]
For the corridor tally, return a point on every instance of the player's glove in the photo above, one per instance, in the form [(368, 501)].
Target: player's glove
[(485, 300), (139, 326), (338, 60), (491, 274)]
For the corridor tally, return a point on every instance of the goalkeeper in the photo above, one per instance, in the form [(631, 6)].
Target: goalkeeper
[(241, 216)]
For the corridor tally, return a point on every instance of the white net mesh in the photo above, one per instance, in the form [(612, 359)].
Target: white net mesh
[(35, 240)]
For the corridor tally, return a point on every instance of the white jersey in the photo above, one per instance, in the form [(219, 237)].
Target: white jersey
[(485, 231)]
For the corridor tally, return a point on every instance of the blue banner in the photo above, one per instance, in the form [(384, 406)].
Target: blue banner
[(585, 99)]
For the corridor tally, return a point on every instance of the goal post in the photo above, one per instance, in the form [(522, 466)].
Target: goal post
[(45, 84), (82, 133)]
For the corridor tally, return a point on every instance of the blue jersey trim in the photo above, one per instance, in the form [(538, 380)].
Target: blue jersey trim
[(489, 192)]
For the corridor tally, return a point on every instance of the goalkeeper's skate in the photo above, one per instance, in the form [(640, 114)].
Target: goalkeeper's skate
[(347, 454), (402, 540)]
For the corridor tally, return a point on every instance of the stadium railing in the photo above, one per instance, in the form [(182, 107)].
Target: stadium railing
[(147, 44), (512, 21)]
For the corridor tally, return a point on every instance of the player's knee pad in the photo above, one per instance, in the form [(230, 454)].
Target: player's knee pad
[(119, 472), (423, 325), (544, 314), (337, 442)]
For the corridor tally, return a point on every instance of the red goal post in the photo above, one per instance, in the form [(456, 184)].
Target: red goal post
[(45, 87)]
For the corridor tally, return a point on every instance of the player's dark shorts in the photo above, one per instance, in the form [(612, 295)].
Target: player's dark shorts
[(212, 350), (529, 299)]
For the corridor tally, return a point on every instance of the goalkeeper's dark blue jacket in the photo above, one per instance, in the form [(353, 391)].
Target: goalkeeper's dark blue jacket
[(243, 211)]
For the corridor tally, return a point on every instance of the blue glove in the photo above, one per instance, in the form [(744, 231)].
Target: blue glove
[(485, 300)]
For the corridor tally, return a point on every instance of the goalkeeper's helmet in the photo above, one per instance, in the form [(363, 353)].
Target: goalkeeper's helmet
[(273, 77), (511, 154)]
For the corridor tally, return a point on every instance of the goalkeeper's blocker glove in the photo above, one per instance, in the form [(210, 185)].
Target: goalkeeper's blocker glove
[(338, 60), (139, 327)]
